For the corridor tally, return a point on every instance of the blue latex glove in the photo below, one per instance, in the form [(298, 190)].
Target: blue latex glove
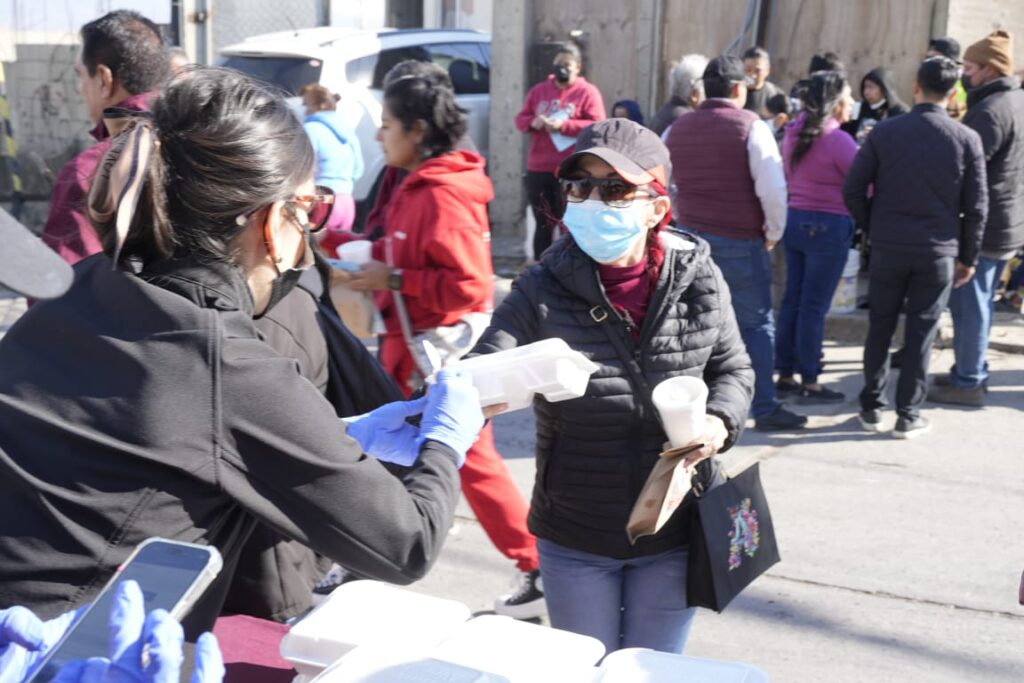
[(384, 433), (453, 415), (24, 639), (130, 631)]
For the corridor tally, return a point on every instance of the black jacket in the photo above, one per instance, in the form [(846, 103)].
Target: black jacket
[(594, 453), (892, 106), (669, 112), (929, 196), (996, 112), (141, 406)]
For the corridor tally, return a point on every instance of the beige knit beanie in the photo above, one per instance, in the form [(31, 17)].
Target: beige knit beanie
[(995, 49)]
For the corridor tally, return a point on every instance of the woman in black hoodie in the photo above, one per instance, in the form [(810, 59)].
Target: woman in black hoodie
[(879, 101)]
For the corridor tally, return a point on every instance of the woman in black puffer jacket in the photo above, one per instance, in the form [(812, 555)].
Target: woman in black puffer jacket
[(644, 304)]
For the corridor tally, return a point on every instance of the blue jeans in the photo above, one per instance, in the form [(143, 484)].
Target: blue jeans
[(747, 269), (817, 245), (971, 306), (640, 602)]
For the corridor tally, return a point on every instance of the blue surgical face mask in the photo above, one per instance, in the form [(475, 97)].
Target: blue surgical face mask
[(603, 232)]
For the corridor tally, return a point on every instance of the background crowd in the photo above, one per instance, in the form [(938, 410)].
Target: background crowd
[(654, 253)]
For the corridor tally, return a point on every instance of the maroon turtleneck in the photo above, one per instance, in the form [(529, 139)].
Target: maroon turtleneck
[(629, 290)]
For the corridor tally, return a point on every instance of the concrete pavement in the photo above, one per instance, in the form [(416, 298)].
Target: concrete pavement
[(900, 559)]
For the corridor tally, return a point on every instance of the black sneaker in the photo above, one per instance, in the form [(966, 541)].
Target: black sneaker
[(334, 577), (786, 387), (870, 420), (780, 419), (908, 429), (526, 601), (822, 395)]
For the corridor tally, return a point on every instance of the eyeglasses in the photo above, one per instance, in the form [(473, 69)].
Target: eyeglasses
[(614, 192), (317, 206)]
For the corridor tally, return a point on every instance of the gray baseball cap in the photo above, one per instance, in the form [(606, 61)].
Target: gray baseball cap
[(28, 266)]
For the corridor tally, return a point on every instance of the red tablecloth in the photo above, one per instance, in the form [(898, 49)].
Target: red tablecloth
[(251, 650)]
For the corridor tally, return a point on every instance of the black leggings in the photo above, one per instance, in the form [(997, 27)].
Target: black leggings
[(548, 204)]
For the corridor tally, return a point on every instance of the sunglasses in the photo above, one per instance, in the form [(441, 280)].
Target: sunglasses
[(614, 192), (317, 206)]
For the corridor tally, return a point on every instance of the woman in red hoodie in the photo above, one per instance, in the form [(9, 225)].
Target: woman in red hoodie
[(555, 111), (434, 262)]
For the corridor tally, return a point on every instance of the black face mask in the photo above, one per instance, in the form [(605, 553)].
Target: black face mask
[(287, 280), (561, 73), (966, 82)]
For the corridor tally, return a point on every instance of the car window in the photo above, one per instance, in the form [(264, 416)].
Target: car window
[(370, 70), (287, 73), (466, 66)]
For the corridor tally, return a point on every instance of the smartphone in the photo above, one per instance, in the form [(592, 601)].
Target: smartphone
[(172, 576)]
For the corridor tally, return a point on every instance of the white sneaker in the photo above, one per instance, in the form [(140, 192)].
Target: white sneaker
[(526, 601)]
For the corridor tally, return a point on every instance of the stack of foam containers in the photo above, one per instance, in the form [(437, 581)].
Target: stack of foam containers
[(368, 613), (487, 649), (639, 665)]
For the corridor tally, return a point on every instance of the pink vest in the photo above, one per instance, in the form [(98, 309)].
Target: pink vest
[(710, 167)]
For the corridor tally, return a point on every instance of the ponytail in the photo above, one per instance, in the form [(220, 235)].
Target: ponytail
[(127, 202), (820, 96), (217, 146)]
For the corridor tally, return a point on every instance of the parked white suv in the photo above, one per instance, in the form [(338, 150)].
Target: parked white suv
[(353, 63)]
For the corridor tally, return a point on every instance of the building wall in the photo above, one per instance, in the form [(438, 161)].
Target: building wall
[(864, 34), (972, 20)]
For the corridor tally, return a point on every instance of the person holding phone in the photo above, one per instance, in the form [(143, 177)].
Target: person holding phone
[(145, 403), (25, 641), (645, 304)]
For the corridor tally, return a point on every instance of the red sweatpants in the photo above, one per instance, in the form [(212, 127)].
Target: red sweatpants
[(496, 501)]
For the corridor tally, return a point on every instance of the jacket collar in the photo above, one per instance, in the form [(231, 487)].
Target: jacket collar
[(718, 103), (578, 273), (1003, 84), (924, 107), (217, 285), (139, 102)]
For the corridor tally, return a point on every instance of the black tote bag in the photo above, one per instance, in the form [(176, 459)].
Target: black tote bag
[(732, 541)]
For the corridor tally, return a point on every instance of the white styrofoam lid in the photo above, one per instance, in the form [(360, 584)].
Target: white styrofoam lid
[(640, 665), (368, 612), (381, 664), (497, 644)]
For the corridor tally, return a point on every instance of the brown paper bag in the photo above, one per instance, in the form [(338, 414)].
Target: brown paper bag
[(355, 308), (663, 492)]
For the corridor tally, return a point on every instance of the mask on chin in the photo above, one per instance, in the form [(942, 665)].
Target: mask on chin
[(603, 232), (288, 279)]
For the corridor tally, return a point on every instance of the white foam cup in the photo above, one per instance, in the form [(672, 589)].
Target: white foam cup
[(681, 402), (357, 252)]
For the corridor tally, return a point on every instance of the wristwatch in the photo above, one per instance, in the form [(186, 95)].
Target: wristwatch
[(395, 279)]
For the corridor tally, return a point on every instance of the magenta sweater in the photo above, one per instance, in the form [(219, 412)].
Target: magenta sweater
[(581, 101), (816, 184)]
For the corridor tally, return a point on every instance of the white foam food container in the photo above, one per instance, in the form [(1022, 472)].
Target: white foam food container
[(548, 367), (640, 665), (521, 652), (381, 664), (366, 613)]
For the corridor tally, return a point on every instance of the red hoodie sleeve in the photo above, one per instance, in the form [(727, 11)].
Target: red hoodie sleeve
[(528, 112), (459, 277), (590, 110)]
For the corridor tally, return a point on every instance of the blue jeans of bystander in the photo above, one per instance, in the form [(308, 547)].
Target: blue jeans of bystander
[(816, 244), (638, 602), (747, 269), (971, 307)]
